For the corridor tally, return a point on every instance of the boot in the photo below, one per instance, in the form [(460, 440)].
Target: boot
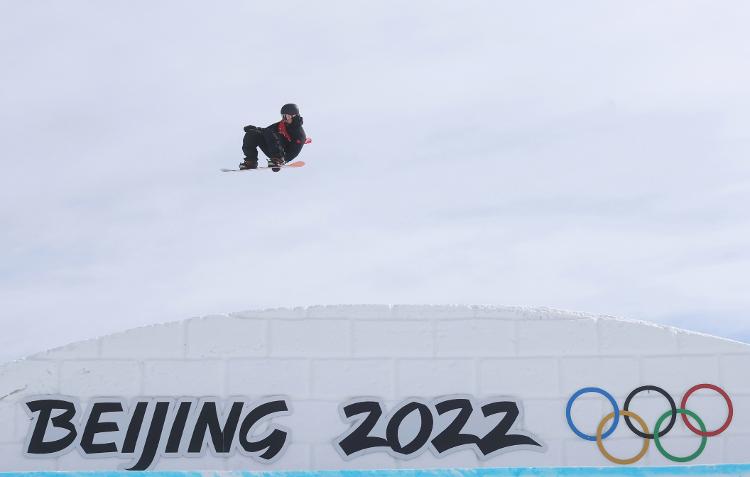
[(275, 161), (249, 164)]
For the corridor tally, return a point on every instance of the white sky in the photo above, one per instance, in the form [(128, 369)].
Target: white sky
[(584, 155)]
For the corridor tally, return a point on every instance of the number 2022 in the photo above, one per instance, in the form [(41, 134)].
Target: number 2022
[(461, 431)]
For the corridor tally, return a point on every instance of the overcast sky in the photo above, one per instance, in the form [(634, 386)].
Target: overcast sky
[(583, 155)]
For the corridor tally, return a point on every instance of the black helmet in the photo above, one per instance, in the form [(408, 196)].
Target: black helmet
[(290, 109)]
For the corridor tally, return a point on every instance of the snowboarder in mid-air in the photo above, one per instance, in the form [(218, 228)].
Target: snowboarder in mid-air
[(281, 141)]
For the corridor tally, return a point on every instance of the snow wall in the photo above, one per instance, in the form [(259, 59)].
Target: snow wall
[(349, 389)]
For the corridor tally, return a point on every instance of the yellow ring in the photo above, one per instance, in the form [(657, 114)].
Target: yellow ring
[(609, 456)]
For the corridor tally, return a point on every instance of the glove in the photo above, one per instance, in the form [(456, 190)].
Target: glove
[(297, 121)]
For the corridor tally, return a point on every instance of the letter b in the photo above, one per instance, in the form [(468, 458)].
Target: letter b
[(37, 444)]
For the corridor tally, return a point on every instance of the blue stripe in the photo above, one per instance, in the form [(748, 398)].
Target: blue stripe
[(735, 470)]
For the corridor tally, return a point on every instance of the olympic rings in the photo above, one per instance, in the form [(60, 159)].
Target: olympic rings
[(669, 456), (609, 456), (592, 390), (658, 431)]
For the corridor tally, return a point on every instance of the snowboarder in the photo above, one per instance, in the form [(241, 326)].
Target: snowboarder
[(281, 141)]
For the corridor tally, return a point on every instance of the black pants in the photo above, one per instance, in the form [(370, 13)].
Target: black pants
[(250, 143)]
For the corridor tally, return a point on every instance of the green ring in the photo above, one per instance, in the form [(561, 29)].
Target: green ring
[(666, 454)]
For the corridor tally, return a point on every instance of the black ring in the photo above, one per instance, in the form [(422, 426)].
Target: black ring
[(659, 390)]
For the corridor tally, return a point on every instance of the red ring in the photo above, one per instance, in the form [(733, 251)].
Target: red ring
[(729, 408)]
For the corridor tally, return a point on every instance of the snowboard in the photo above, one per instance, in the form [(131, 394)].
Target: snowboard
[(260, 168)]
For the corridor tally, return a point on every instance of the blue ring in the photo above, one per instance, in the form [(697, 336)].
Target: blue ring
[(604, 393)]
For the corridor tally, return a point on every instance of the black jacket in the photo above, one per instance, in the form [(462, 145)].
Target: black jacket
[(282, 140)]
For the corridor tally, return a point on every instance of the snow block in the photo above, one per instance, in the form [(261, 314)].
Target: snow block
[(469, 391)]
